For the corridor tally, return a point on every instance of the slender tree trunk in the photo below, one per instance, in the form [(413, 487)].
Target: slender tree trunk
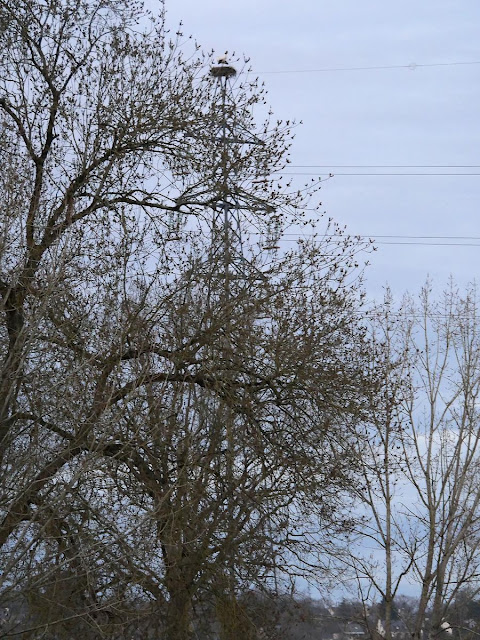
[(388, 541), (12, 364)]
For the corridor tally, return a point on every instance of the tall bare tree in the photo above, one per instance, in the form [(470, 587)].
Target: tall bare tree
[(169, 433), (420, 486)]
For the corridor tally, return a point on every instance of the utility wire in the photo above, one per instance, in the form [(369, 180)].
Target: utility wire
[(409, 240), (390, 173), (408, 243), (398, 240), (430, 244), (374, 235), (412, 66), (384, 166)]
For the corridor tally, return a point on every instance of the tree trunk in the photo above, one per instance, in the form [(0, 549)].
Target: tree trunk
[(178, 621)]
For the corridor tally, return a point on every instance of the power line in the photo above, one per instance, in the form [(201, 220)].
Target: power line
[(430, 244), (390, 173), (410, 243), (412, 67), (399, 240), (390, 236), (384, 166)]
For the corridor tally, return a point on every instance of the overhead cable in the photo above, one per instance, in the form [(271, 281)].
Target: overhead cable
[(412, 67)]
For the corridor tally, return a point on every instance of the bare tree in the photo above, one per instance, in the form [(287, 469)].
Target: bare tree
[(169, 433), (250, 461), (421, 478)]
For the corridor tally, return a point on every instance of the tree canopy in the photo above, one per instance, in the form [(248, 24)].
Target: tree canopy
[(177, 404)]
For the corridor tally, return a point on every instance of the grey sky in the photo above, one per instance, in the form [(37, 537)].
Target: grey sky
[(419, 116), (425, 116)]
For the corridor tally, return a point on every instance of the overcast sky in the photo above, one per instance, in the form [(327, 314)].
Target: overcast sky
[(425, 118), (422, 115)]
